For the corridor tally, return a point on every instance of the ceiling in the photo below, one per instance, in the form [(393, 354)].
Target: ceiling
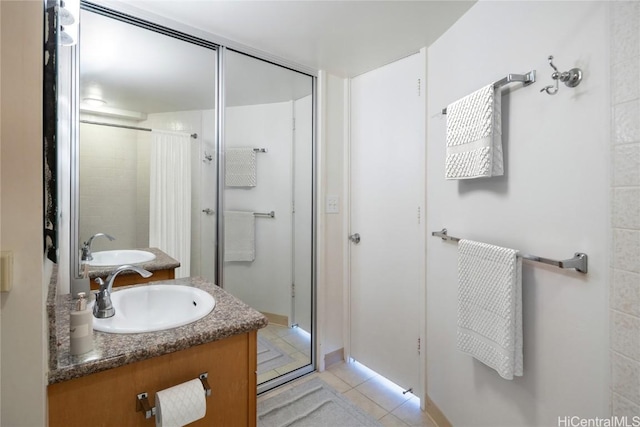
[(139, 70), (345, 38)]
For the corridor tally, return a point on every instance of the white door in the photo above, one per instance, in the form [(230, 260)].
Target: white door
[(387, 211)]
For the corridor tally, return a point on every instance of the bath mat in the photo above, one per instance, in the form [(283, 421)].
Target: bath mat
[(312, 404), (270, 357)]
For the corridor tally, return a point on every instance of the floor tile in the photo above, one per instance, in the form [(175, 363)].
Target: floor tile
[(391, 420), (411, 414), (334, 382), (366, 404), (266, 376), (284, 346), (383, 392), (353, 374), (292, 366)]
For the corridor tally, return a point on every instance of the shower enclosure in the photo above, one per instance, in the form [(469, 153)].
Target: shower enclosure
[(242, 207)]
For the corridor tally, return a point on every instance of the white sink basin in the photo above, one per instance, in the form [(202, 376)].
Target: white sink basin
[(120, 257), (148, 308)]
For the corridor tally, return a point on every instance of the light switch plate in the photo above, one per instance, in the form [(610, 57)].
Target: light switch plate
[(332, 205), (6, 271)]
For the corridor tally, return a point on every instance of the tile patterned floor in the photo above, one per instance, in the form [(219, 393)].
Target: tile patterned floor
[(371, 392), (292, 341)]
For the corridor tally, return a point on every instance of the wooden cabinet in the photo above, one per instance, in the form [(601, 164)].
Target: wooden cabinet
[(108, 398)]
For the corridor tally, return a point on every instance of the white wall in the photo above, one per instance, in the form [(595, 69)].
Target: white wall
[(22, 313), (334, 232), (552, 202), (264, 283), (625, 206)]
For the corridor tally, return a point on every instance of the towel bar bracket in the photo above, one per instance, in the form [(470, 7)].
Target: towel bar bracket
[(579, 262)]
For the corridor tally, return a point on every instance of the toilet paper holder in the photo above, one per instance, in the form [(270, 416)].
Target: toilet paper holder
[(142, 402)]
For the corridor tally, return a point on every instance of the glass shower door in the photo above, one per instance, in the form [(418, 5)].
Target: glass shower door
[(268, 192)]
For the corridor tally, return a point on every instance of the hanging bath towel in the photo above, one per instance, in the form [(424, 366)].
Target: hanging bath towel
[(474, 135), (239, 236), (240, 167), (490, 306)]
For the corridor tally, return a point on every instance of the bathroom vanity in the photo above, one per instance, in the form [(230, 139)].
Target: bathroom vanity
[(101, 387), (163, 268)]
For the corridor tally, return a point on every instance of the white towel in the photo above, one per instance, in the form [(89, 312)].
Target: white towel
[(239, 236), (490, 306), (474, 135), (240, 167)]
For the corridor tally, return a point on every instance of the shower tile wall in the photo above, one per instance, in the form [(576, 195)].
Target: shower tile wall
[(108, 163), (625, 209)]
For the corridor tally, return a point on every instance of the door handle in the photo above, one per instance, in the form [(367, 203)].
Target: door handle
[(355, 238)]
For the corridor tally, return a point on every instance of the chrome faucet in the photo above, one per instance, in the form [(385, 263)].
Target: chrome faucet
[(86, 246), (103, 307)]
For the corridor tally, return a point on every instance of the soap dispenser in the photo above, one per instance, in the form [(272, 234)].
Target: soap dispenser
[(81, 327)]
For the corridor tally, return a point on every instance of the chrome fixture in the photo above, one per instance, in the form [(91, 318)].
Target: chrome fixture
[(86, 246), (355, 238), (571, 78), (103, 307), (271, 214), (142, 399), (579, 262), (207, 157), (209, 211), (260, 150), (91, 122), (525, 79)]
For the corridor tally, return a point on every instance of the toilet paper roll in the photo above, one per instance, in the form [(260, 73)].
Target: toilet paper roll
[(181, 404)]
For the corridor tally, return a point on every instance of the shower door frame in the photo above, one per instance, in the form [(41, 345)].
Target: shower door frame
[(131, 15), (220, 148)]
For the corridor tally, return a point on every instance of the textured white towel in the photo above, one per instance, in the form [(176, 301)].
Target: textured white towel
[(239, 236), (240, 167), (474, 135), (490, 306)]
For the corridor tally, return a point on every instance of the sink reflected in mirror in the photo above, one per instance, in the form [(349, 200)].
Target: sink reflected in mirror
[(120, 257), (151, 308)]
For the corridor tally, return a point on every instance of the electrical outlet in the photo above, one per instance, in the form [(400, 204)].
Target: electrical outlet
[(333, 205)]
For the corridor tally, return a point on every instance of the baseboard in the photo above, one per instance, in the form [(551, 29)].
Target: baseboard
[(436, 414), (277, 319), (333, 357)]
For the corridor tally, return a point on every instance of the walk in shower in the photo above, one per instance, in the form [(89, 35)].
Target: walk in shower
[(207, 154)]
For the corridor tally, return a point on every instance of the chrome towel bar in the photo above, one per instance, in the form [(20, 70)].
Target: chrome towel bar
[(579, 261), (526, 79), (271, 214)]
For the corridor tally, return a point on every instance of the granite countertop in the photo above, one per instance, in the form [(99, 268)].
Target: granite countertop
[(229, 317), (161, 262)]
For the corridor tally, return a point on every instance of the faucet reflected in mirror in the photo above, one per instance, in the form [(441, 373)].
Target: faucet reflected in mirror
[(119, 170), (103, 307), (86, 247)]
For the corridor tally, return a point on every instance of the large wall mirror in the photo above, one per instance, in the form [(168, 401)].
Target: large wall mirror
[(238, 207)]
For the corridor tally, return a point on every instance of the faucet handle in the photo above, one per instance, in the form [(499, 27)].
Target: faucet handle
[(100, 283)]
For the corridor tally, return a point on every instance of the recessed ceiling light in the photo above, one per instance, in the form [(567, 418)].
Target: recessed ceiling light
[(94, 102)]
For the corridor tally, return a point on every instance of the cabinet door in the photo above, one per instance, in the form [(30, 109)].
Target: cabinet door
[(109, 398)]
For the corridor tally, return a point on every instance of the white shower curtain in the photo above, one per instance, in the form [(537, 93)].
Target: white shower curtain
[(170, 197)]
